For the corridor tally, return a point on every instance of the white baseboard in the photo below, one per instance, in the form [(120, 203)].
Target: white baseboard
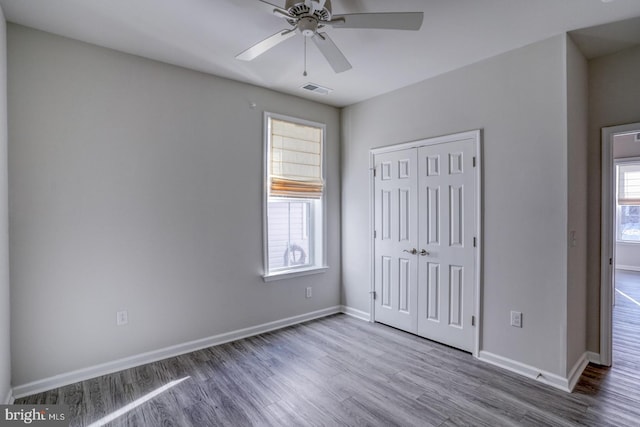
[(594, 358), (358, 314), (548, 378), (627, 267), (8, 400), (164, 353), (576, 371)]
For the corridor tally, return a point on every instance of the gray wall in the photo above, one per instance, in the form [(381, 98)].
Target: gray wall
[(614, 91), (577, 156), (138, 185), (519, 99), (5, 349)]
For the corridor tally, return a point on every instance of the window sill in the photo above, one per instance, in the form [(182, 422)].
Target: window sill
[(289, 274), (628, 242)]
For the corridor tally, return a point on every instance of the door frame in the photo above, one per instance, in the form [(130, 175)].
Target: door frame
[(476, 135), (607, 234)]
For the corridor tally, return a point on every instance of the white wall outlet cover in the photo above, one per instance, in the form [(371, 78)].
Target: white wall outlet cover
[(122, 318), (516, 319)]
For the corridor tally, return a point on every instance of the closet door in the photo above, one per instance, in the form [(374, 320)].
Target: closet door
[(396, 238), (447, 206)]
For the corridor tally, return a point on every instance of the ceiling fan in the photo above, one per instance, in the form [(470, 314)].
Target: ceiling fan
[(308, 17)]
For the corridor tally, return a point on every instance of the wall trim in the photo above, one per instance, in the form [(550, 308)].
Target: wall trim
[(67, 378), (358, 314), (594, 358), (528, 371), (627, 267), (8, 400), (578, 368)]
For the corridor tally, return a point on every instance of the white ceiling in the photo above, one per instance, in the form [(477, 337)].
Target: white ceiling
[(607, 38), (206, 35)]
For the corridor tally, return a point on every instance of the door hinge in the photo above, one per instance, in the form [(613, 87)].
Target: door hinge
[(375, 234), (474, 162), (610, 261), (374, 172), (473, 320), (373, 294), (475, 242)]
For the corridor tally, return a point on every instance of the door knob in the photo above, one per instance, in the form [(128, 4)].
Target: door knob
[(424, 252), (412, 251)]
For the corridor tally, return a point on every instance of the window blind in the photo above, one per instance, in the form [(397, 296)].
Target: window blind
[(296, 160), (629, 184)]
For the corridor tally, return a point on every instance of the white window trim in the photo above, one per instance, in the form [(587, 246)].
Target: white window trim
[(618, 162), (321, 265), (290, 274)]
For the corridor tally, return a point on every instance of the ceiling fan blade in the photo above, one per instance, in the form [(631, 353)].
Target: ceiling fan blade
[(266, 44), (276, 9), (331, 52), (382, 21)]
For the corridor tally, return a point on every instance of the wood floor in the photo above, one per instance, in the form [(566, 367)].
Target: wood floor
[(342, 371)]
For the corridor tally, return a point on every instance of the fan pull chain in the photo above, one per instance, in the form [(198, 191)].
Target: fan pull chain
[(305, 57)]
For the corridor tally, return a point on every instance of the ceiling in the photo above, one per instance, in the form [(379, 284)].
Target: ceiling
[(205, 35), (609, 38)]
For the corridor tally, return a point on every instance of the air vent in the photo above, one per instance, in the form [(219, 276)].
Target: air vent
[(312, 87), (638, 137)]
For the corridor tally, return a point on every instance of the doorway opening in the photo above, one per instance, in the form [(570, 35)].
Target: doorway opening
[(620, 242)]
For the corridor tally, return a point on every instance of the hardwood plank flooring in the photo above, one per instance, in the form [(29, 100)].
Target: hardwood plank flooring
[(340, 371)]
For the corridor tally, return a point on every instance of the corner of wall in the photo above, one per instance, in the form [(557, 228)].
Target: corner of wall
[(5, 328), (576, 81), (9, 399), (358, 314)]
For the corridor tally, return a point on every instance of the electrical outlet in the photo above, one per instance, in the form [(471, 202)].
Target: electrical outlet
[(516, 319), (309, 294), (122, 318)]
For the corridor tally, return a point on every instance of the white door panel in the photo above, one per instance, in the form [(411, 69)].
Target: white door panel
[(446, 206), (396, 228)]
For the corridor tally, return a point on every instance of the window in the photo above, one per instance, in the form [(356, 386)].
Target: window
[(294, 194), (628, 206)]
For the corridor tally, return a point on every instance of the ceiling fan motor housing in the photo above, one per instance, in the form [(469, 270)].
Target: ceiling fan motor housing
[(307, 26), (299, 8)]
